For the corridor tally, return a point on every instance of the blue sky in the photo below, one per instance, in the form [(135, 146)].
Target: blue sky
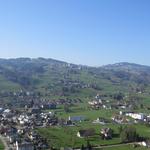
[(91, 32)]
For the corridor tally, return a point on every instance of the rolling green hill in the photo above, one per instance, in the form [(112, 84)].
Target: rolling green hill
[(60, 78)]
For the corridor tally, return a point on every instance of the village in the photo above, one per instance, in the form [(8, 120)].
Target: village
[(18, 127), (18, 122), (124, 115)]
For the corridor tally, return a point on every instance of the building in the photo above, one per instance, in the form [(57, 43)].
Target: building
[(106, 133), (138, 116), (86, 133), (24, 146), (76, 118)]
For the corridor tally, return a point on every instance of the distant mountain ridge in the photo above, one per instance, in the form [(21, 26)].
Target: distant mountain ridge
[(59, 77), (50, 60), (127, 65)]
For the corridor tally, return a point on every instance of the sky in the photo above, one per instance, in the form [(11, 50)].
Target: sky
[(89, 32)]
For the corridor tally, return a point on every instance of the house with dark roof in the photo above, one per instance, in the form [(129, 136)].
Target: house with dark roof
[(86, 133)]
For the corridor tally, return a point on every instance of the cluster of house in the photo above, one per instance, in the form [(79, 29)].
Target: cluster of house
[(120, 119), (138, 116), (101, 120), (99, 103), (23, 138), (18, 128), (96, 104), (128, 117), (27, 99)]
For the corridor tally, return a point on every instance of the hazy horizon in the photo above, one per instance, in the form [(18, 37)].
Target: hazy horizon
[(74, 63), (93, 33)]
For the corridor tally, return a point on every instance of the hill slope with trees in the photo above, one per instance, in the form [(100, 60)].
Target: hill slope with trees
[(61, 78)]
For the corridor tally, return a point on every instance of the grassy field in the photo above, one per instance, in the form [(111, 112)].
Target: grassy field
[(67, 136), (83, 110), (8, 85)]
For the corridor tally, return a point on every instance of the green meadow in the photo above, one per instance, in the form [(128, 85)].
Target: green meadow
[(67, 136)]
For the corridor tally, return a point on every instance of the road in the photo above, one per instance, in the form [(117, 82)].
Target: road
[(109, 146)]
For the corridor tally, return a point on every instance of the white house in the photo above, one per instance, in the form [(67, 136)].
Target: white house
[(138, 116)]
